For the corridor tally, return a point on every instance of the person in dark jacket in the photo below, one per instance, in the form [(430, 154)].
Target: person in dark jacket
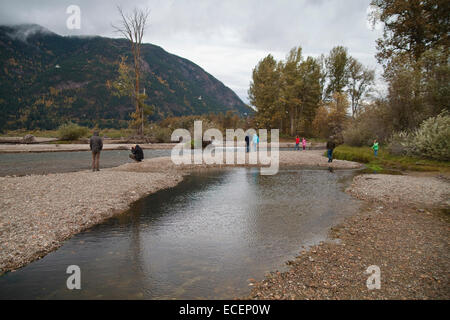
[(330, 147), (96, 145), (136, 153), (247, 143)]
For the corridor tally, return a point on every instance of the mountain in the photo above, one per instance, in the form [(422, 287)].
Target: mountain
[(47, 79)]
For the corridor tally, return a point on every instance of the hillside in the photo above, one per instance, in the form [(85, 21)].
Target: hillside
[(47, 79)]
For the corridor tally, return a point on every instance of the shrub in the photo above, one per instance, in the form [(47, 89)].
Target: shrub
[(369, 124), (357, 136), (431, 139), (159, 134), (396, 144), (71, 131)]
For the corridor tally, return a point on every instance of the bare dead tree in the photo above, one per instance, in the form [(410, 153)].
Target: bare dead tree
[(132, 27)]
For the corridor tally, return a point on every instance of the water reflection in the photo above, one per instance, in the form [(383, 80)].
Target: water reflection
[(201, 239)]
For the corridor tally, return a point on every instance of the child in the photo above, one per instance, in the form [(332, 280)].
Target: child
[(304, 143), (375, 147), (330, 147), (297, 143)]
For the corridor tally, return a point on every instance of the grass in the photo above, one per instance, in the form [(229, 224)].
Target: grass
[(386, 161)]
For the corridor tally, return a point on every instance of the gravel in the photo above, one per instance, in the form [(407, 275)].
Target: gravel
[(401, 189), (397, 231)]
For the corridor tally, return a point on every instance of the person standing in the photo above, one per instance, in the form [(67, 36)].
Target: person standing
[(96, 145), (297, 143), (255, 141), (304, 143), (247, 143), (330, 147), (375, 147)]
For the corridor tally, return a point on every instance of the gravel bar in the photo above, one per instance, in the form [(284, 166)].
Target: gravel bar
[(404, 230)]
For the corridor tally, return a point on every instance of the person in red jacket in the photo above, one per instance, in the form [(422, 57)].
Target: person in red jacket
[(297, 143)]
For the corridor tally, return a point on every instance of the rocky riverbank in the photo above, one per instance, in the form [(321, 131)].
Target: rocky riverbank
[(404, 230)]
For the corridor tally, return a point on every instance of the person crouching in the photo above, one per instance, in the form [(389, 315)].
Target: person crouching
[(136, 153)]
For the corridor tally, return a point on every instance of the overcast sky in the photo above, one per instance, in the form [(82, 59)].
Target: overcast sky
[(227, 38)]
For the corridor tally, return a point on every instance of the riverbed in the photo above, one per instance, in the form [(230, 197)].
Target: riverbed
[(203, 239)]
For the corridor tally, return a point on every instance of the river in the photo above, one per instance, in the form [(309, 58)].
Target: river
[(202, 239)]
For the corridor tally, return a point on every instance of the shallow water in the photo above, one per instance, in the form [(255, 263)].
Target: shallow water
[(55, 162), (202, 239)]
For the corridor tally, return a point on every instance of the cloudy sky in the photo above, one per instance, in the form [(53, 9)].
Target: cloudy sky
[(227, 38)]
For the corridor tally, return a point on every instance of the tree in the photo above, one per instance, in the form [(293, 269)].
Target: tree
[(359, 84), (291, 84), (124, 86), (337, 71), (436, 72), (286, 92), (133, 28), (310, 93), (418, 90), (331, 117), (414, 51), (264, 92), (322, 62), (410, 27)]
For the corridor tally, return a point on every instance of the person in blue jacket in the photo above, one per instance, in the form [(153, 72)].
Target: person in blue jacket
[(255, 141)]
